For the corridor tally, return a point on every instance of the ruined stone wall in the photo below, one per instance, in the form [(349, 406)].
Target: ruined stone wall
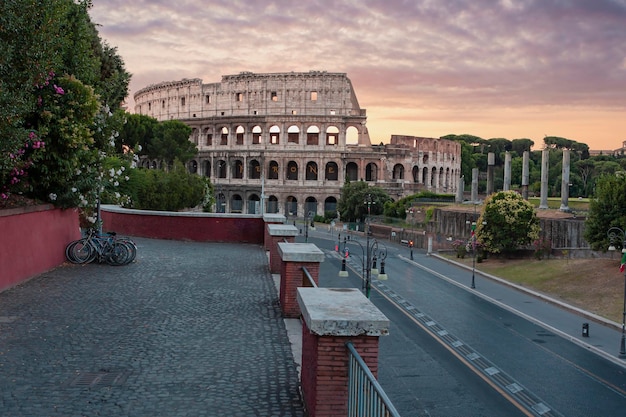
[(299, 124)]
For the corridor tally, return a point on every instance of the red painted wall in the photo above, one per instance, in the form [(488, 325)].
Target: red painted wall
[(33, 241), (201, 227)]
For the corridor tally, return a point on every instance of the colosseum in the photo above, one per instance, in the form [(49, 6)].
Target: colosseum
[(286, 142)]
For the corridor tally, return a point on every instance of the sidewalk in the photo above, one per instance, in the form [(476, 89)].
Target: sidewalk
[(189, 329)]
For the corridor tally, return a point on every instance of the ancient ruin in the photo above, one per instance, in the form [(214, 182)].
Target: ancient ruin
[(286, 142)]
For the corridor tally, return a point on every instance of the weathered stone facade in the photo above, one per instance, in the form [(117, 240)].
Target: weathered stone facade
[(291, 140)]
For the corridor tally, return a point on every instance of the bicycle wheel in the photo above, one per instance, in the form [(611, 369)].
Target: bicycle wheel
[(117, 254), (132, 249), (80, 252)]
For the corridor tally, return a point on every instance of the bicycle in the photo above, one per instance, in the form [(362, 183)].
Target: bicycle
[(106, 247)]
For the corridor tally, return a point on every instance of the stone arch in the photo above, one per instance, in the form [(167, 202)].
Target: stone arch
[(254, 170), (433, 177), (425, 180), (371, 172), (254, 204), (332, 135), (224, 136), (331, 173), (272, 170), (192, 166), (311, 171), (352, 171), (206, 169), (291, 206), (310, 206), (313, 135), (220, 169), (194, 136), (292, 171), (257, 133), (220, 203), (293, 134), (237, 169), (272, 204), (274, 135), (240, 131), (416, 174), (330, 205), (398, 172), (208, 136), (352, 135), (236, 204)]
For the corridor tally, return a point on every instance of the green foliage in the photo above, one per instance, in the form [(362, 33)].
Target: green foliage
[(138, 130), (170, 142), (607, 209), (169, 191), (353, 204), (398, 209), (60, 90), (507, 223)]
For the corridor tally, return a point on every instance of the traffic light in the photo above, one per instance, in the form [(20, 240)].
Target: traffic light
[(410, 243)]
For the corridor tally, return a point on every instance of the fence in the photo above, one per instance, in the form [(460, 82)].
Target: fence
[(366, 398)]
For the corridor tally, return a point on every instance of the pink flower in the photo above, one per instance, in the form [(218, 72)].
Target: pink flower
[(58, 90)]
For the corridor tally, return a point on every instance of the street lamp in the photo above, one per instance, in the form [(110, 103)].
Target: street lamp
[(410, 211), (370, 253), (617, 236), (473, 240)]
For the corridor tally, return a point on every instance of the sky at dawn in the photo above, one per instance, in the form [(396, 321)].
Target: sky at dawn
[(490, 68)]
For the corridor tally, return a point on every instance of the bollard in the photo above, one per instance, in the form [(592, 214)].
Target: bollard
[(585, 329)]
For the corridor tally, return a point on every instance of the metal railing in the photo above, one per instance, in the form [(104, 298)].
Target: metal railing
[(307, 274), (366, 398)]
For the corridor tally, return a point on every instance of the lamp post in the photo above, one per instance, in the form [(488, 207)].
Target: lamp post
[(410, 211), (370, 253), (473, 240), (618, 236)]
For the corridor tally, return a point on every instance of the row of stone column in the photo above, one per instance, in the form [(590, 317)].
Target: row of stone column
[(545, 160), (331, 317)]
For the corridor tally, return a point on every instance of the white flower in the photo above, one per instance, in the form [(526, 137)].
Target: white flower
[(117, 195), (74, 189), (52, 196), (116, 183), (119, 172), (112, 172), (123, 168), (139, 148)]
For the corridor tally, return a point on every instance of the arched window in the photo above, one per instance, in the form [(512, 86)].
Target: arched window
[(272, 204), (274, 135), (371, 172), (254, 170), (313, 136), (272, 171), (416, 174), (207, 169), (238, 169), (398, 172), (310, 207), (332, 172), (240, 131), (256, 135), (224, 137), (330, 206), (352, 171), (332, 135), (254, 204), (192, 166), (236, 204), (293, 134), (291, 207), (221, 168), (292, 171), (311, 171)]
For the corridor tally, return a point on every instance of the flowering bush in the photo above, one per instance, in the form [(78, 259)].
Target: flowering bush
[(460, 247)]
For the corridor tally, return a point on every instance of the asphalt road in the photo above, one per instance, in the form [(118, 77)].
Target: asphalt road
[(544, 373)]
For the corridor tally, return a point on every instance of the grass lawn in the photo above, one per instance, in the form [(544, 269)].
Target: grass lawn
[(595, 285)]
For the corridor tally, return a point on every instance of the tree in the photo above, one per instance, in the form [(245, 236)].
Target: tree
[(520, 145), (170, 142), (138, 130), (51, 58), (607, 209), (353, 204), (507, 223)]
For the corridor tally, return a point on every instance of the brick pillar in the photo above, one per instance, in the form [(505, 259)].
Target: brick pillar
[(331, 318), (271, 218), (295, 256), (278, 233)]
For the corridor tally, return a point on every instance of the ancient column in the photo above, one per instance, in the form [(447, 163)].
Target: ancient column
[(459, 191), (507, 171), (525, 174), (474, 184), (565, 182), (491, 162), (545, 162)]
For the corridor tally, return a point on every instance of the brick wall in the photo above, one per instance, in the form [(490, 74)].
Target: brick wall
[(291, 277)]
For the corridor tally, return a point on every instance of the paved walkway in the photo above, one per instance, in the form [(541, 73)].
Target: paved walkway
[(189, 329)]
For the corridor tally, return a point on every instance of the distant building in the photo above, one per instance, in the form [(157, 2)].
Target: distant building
[(615, 152), (287, 142)]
